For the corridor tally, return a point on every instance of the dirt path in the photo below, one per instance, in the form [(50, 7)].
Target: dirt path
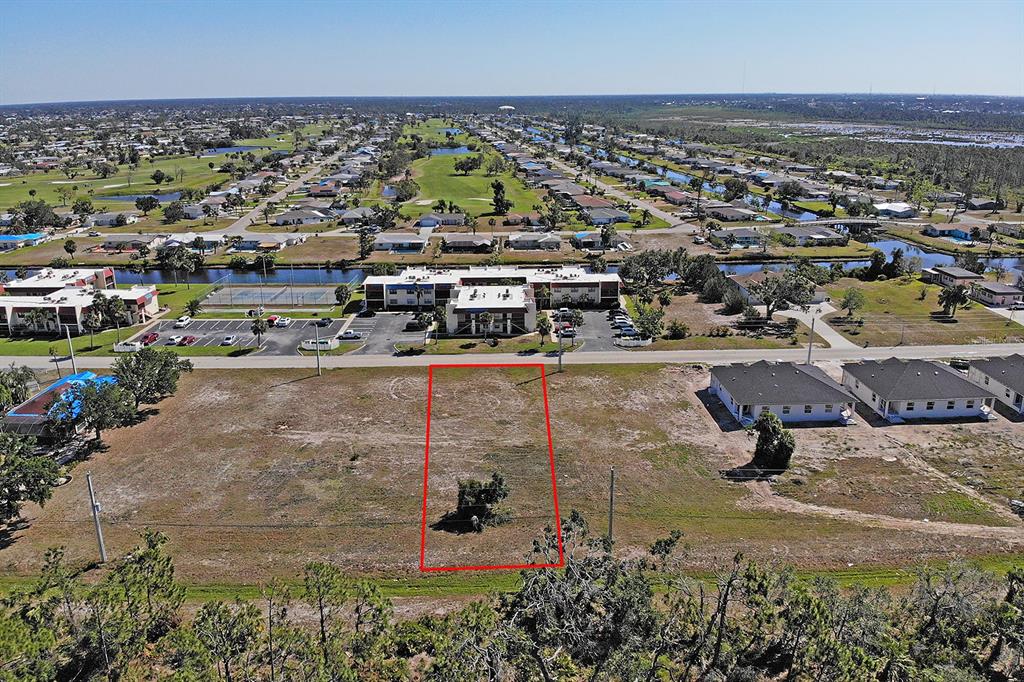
[(764, 498)]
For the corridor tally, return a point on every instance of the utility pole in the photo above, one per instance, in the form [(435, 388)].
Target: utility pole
[(96, 519), (810, 340), (903, 332), (316, 332), (611, 505), (74, 367), (558, 332)]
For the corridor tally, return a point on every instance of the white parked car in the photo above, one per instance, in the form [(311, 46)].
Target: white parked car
[(128, 347), (174, 340), (182, 322), (229, 340), (1017, 305), (282, 321), (350, 334)]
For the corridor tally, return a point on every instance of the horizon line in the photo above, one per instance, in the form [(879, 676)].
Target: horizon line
[(548, 96)]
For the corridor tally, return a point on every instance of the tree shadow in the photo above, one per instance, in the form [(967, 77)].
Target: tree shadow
[(748, 472), (451, 522)]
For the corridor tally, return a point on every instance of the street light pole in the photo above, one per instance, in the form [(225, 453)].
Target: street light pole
[(71, 348), (96, 518), (316, 333), (810, 339)]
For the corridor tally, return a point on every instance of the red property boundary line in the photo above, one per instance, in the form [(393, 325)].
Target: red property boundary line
[(551, 460)]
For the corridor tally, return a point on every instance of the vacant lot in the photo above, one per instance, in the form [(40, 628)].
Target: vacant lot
[(907, 312), (488, 420), (438, 179), (254, 473)]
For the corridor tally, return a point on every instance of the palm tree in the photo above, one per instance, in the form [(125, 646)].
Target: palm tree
[(952, 298), (34, 317), (258, 328), (486, 319), (194, 307), (93, 321)]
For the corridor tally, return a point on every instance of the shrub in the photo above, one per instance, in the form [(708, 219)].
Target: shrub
[(733, 302), (677, 330)]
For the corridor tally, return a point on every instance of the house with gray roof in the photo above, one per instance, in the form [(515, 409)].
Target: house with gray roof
[(996, 294), (606, 216), (466, 243), (397, 241), (792, 392), (916, 389), (1003, 376)]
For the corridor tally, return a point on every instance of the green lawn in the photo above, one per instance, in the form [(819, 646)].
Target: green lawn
[(438, 180), (894, 312)]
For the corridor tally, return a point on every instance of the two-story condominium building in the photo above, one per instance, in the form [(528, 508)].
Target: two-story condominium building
[(1004, 377), (554, 286), (794, 393), (512, 309), (916, 389), (49, 280), (69, 307)]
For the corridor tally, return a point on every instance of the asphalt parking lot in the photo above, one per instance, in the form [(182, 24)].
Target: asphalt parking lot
[(596, 333), (277, 341), (382, 331)]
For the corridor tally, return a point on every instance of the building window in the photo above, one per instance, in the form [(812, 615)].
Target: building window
[(874, 397), (930, 405), (970, 404), (910, 406), (828, 408), (950, 404), (808, 409), (764, 408), (986, 381), (785, 409)]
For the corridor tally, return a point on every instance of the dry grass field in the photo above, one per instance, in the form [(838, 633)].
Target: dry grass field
[(253, 473)]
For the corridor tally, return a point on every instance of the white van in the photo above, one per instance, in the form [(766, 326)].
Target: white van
[(182, 322)]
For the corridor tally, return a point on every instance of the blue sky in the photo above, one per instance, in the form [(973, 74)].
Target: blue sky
[(139, 49)]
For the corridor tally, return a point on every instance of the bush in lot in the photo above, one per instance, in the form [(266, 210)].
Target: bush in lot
[(478, 505), (677, 330), (732, 302), (720, 330)]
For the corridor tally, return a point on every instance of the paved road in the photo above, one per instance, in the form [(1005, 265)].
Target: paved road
[(613, 357), (241, 225)]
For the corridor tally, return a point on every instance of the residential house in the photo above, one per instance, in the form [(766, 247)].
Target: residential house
[(110, 219), (606, 216), (900, 389), (812, 235), (677, 198), (534, 241), (896, 209), (466, 243), (301, 217), (729, 213), (791, 391), (594, 240), (996, 294), (743, 285), (744, 237), (9, 242), (1004, 377), (357, 215), (395, 241), (132, 242), (983, 204), (587, 201), (437, 219), (951, 276), (947, 231), (527, 220)]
